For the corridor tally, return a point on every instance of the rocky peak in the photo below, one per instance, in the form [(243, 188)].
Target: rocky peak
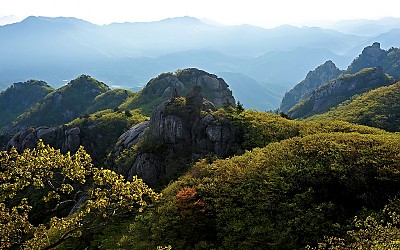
[(339, 90), (162, 87), (314, 79), (374, 51), (179, 131), (371, 56)]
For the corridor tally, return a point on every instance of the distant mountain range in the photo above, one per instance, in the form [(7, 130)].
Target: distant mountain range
[(330, 85), (57, 50)]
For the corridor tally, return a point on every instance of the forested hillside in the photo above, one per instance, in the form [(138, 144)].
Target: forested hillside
[(377, 108), (339, 90), (182, 164), (20, 97)]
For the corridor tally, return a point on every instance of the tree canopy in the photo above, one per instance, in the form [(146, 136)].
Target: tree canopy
[(60, 181)]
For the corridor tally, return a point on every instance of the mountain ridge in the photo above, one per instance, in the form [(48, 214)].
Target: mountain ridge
[(341, 89)]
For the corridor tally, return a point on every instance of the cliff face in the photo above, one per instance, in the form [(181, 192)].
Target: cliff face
[(180, 130), (339, 90), (314, 79)]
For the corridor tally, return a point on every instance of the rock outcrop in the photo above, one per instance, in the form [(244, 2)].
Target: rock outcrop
[(66, 139), (180, 130), (371, 56), (339, 90), (314, 79), (160, 89), (374, 56)]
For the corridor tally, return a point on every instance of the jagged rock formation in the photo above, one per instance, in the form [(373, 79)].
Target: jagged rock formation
[(161, 88), (180, 130), (314, 79), (339, 90), (132, 136)]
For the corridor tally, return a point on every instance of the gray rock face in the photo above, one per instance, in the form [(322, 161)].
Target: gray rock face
[(68, 140), (132, 136), (72, 140), (177, 134), (314, 79), (148, 167), (215, 89)]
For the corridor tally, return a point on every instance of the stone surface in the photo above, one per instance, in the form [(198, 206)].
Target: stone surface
[(178, 133), (132, 136), (214, 89), (66, 140)]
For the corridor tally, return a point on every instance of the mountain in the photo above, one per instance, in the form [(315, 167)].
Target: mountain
[(364, 27), (64, 104), (274, 66), (341, 89), (20, 97), (378, 108), (371, 56), (66, 47), (374, 56), (314, 79), (162, 87)]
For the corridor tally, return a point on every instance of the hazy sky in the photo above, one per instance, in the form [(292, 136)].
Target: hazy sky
[(258, 12)]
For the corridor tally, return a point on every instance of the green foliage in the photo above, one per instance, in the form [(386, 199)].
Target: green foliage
[(375, 232), (284, 196), (100, 131), (82, 96), (111, 99), (20, 97), (378, 108), (46, 170), (259, 129), (239, 107), (65, 104)]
